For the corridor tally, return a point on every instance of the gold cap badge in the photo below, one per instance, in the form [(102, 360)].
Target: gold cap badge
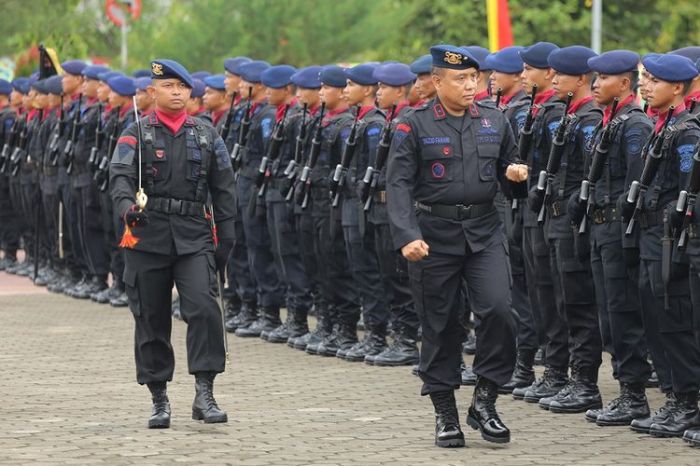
[(453, 58), (157, 69)]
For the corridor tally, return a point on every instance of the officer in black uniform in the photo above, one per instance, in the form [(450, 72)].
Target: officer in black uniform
[(9, 220), (664, 279), (181, 160), (615, 257), (507, 67), (444, 167)]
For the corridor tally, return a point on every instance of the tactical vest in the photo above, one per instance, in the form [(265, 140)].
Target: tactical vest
[(329, 137)]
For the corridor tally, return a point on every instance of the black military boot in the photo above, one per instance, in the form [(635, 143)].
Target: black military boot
[(482, 413), (160, 415), (268, 320), (93, 285), (632, 404), (346, 337), (121, 300), (105, 295), (403, 351), (582, 395), (299, 324), (467, 374), (373, 343), (692, 436), (232, 309), (469, 346), (8, 261), (523, 375), (204, 407), (248, 318), (448, 433), (324, 329), (552, 381), (685, 415), (281, 333), (247, 315), (643, 425)]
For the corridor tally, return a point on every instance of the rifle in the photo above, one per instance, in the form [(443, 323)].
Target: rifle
[(639, 188), (9, 142), (693, 103), (546, 179), (587, 192), (100, 175), (290, 173), (687, 200), (99, 137), (236, 153), (20, 150), (305, 177), (57, 135), (666, 258), (69, 150), (499, 95), (370, 182), (525, 139), (226, 127), (341, 170)]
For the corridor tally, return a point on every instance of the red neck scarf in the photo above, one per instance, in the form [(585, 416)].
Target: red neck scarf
[(541, 98), (400, 106), (172, 121), (607, 112), (419, 104), (32, 114), (216, 115), (483, 95), (364, 110), (91, 101), (573, 108), (664, 116), (332, 113), (505, 99), (126, 108), (279, 112)]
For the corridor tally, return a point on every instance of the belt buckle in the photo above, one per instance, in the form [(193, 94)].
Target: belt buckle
[(382, 197), (175, 206), (556, 209), (598, 217), (463, 211)]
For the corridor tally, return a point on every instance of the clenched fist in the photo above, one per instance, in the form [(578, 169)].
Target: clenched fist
[(517, 172), (415, 250)]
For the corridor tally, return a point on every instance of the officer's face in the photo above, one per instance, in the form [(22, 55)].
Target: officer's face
[(643, 83), (102, 92), (143, 100), (169, 94), (246, 89), (71, 83), (424, 86), (565, 83), (332, 96), (276, 96), (16, 99), (456, 88), (608, 86), (540, 77), (194, 104), (40, 100), (662, 94), (89, 87), (508, 83), (389, 95), (308, 96), (354, 93), (213, 99), (53, 101), (232, 83)]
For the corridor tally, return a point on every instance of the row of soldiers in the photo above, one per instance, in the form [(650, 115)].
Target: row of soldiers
[(594, 249)]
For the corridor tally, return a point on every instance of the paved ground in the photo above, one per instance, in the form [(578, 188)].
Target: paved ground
[(69, 397)]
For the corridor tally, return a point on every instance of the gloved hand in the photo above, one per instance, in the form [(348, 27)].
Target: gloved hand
[(625, 208), (223, 251), (675, 218), (535, 199), (135, 217), (576, 208)]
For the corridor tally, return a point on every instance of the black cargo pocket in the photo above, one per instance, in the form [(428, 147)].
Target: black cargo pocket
[(488, 158), (132, 291), (194, 160), (437, 164)]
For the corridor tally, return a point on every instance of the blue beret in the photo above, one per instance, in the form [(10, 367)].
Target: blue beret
[(422, 65), (19, 83), (142, 83), (697, 64), (233, 65), (200, 75), (536, 55), (74, 67), (614, 62), (693, 53), (5, 87), (362, 74), (307, 78), (506, 60), (198, 88), (122, 85), (39, 85), (93, 71), (277, 76), (571, 60), (252, 71), (215, 81), (450, 56), (141, 74), (333, 75), (480, 53), (170, 69), (394, 74), (107, 75), (670, 67), (54, 85)]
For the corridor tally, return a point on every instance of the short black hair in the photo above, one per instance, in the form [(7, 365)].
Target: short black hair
[(634, 80)]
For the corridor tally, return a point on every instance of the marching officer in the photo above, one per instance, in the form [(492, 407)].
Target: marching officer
[(442, 178), (181, 160)]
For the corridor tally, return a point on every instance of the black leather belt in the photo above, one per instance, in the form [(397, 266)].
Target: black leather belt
[(457, 212), (175, 206), (651, 218), (605, 215)]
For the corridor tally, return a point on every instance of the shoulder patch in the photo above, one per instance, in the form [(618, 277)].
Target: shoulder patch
[(685, 153), (634, 141), (588, 132), (373, 131), (266, 126), (223, 160), (552, 127), (520, 118), (124, 152), (402, 130), (130, 140)]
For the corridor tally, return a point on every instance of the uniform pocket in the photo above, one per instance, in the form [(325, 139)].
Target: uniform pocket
[(437, 164), (487, 159)]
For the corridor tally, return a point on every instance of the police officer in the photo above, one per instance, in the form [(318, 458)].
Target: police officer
[(195, 106), (143, 100), (483, 90), (9, 220), (692, 97), (170, 240), (448, 161), (664, 277), (423, 84), (215, 100), (615, 257), (547, 111)]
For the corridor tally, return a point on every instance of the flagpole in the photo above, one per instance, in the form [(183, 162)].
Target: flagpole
[(596, 25)]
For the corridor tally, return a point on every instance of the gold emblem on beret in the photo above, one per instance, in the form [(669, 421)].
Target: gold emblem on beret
[(453, 58), (157, 69)]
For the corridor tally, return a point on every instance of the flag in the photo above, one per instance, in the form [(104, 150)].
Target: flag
[(48, 62), (500, 33)]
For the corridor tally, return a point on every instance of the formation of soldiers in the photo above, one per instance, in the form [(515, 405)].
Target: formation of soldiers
[(602, 243)]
